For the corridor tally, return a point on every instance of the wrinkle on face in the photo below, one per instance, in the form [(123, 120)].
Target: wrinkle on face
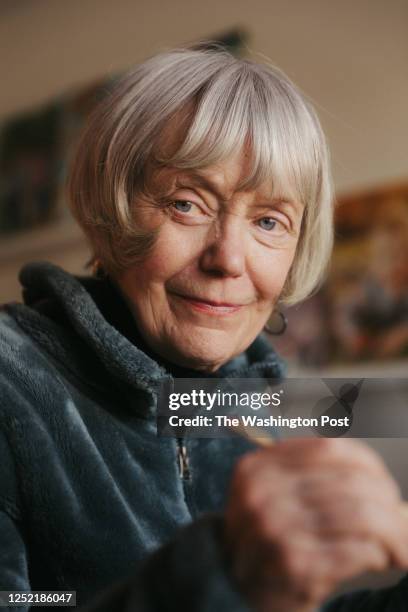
[(221, 260)]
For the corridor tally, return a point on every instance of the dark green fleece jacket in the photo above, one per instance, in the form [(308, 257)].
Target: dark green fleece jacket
[(91, 499)]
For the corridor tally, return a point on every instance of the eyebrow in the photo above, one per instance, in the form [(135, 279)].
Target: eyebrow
[(202, 181), (206, 183)]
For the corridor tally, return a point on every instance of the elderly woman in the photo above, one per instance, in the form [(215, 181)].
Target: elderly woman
[(202, 184)]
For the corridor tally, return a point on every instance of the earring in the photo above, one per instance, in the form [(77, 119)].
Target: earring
[(97, 268), (281, 327)]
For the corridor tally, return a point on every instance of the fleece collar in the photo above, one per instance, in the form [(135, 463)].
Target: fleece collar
[(44, 281)]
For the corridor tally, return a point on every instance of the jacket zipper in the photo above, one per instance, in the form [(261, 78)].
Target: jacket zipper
[(186, 477), (184, 468)]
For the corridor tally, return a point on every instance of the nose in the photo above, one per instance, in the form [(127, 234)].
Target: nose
[(224, 254)]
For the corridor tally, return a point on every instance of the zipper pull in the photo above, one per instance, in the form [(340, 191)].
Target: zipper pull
[(184, 467)]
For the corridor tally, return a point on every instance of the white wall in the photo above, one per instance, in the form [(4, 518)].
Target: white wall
[(349, 56)]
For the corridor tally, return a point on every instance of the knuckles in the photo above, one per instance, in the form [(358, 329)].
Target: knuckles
[(316, 450), (344, 450), (334, 448), (265, 504), (294, 564), (297, 568)]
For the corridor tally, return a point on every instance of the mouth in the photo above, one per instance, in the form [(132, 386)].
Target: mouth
[(209, 306)]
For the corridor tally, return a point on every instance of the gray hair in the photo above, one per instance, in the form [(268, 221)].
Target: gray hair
[(224, 103)]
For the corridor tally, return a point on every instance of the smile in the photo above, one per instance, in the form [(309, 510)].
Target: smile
[(210, 307)]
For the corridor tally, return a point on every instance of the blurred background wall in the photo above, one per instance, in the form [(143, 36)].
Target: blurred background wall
[(350, 58)]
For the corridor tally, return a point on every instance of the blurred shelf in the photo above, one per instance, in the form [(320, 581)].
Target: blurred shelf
[(54, 236), (60, 242)]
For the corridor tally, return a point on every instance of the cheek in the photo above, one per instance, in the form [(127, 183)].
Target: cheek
[(270, 271), (170, 255)]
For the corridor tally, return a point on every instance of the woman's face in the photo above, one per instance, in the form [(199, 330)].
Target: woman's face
[(217, 267)]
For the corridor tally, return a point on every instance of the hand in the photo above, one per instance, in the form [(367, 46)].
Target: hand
[(307, 514)]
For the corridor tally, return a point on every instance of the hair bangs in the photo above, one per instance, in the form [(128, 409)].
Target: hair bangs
[(219, 123), (238, 111)]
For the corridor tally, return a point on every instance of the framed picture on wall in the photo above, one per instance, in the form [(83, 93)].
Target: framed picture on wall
[(361, 312)]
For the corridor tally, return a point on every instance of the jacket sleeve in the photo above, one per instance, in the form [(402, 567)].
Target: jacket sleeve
[(13, 560), (190, 574), (186, 574), (13, 556), (390, 599)]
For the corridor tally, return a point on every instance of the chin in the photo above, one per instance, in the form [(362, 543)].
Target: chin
[(207, 350)]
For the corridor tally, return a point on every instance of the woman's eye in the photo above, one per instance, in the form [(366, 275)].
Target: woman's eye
[(267, 223), (187, 212), (183, 205)]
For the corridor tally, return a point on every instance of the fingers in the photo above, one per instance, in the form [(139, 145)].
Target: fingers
[(310, 569), (344, 558), (307, 514), (356, 503), (380, 523), (325, 452), (317, 484), (352, 507), (271, 519)]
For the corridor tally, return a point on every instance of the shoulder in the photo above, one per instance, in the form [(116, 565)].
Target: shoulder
[(15, 345), (28, 376), (10, 333), (14, 373), (9, 496), (18, 351), (44, 369)]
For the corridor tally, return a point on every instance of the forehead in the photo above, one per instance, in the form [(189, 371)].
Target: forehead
[(228, 175), (228, 172), (223, 179)]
